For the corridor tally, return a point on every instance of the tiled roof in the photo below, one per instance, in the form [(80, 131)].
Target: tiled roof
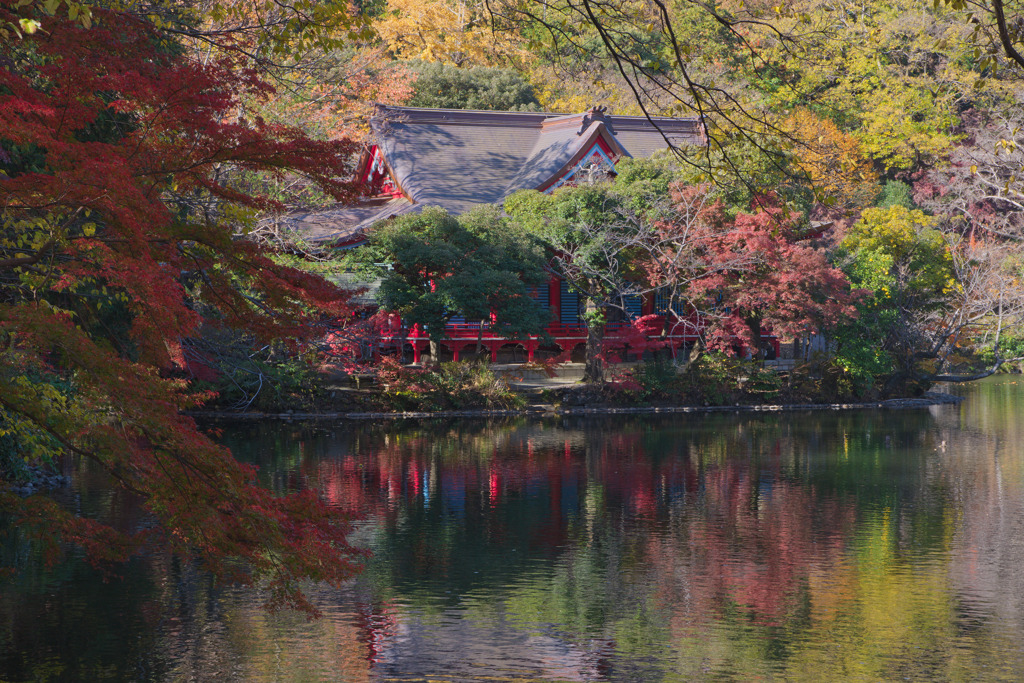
[(345, 224), (458, 159)]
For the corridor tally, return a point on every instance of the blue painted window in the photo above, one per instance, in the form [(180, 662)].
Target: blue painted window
[(634, 306), (661, 305), (570, 313), (539, 294)]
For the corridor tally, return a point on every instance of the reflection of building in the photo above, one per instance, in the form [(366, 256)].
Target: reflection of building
[(544, 482), (458, 159), (485, 541)]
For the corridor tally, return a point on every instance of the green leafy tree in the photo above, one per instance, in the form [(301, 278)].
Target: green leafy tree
[(906, 264), (477, 87), (645, 184), (591, 233), (434, 266)]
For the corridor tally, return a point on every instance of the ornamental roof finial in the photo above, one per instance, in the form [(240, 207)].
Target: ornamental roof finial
[(596, 113)]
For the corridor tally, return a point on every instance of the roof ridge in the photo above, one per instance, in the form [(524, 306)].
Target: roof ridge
[(465, 117), (545, 118)]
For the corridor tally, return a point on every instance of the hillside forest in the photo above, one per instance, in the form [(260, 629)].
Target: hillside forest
[(862, 181)]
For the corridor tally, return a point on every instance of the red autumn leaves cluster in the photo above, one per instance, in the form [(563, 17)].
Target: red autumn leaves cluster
[(749, 273), (120, 156)]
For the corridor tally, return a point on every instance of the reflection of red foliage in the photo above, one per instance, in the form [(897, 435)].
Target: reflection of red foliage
[(758, 542), (744, 539), (378, 626)]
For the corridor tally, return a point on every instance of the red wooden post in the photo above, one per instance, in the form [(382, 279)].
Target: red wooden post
[(555, 298), (456, 347), (531, 346)]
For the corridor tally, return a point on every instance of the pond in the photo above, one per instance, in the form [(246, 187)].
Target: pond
[(867, 545)]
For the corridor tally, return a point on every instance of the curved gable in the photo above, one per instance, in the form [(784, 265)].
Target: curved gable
[(376, 175), (598, 151)]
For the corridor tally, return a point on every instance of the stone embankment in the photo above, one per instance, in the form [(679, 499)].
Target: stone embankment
[(37, 479), (931, 398)]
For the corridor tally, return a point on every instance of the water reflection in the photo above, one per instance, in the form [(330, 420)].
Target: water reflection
[(872, 546)]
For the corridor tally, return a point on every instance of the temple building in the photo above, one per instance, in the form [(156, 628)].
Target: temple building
[(459, 159)]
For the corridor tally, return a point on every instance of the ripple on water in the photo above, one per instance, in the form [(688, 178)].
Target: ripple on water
[(863, 546)]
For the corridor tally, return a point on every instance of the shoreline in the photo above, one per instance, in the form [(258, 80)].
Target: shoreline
[(929, 399)]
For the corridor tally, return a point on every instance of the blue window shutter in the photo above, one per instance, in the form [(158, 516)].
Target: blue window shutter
[(570, 316), (539, 294), (634, 306)]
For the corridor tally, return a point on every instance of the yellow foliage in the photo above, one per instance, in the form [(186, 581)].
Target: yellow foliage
[(908, 240), (906, 126), (891, 73), (449, 31), (833, 161), (895, 230), (557, 94)]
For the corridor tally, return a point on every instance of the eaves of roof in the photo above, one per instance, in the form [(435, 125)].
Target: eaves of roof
[(385, 115), (346, 225)]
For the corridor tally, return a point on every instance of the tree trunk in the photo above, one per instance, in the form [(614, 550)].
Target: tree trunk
[(754, 323), (593, 370), (696, 351)]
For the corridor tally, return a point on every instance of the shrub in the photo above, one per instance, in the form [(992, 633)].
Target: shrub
[(896, 193), (658, 378), (826, 380), (713, 378), (451, 386), (1009, 347), (763, 384), (271, 379)]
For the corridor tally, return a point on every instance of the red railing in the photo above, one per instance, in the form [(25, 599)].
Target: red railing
[(462, 335)]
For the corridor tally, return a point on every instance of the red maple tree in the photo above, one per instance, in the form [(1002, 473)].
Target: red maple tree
[(745, 275), (118, 160)]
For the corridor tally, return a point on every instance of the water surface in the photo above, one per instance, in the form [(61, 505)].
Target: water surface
[(882, 545)]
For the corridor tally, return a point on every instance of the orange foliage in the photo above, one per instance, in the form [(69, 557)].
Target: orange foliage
[(833, 162)]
